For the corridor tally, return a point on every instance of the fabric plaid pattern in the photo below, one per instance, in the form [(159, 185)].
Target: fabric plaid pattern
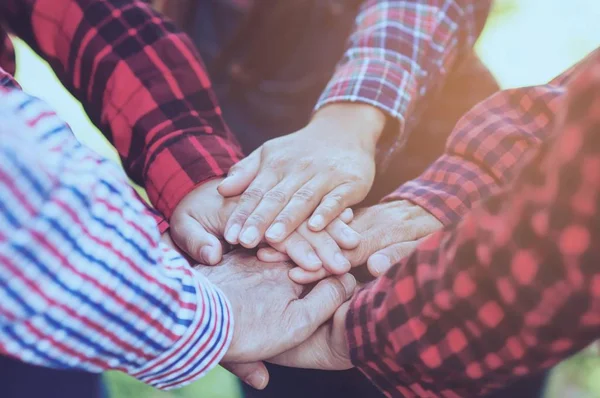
[(142, 83), (487, 149), (512, 289), (85, 282), (399, 53)]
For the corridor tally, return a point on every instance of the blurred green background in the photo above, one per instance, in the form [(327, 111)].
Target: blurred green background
[(526, 42)]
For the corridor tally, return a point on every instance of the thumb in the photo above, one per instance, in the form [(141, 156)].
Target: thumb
[(241, 175), (326, 349), (255, 374), (320, 304), (193, 238), (381, 261)]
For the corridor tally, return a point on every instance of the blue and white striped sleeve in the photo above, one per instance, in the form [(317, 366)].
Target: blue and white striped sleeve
[(84, 281)]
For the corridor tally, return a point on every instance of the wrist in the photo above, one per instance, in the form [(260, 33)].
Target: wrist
[(361, 123)]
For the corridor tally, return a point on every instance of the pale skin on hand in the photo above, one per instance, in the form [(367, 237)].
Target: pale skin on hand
[(390, 231), (198, 223), (272, 314), (313, 174)]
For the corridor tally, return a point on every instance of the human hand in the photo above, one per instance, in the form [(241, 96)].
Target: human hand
[(326, 349), (321, 170), (315, 250), (198, 223), (390, 231), (199, 220), (272, 314)]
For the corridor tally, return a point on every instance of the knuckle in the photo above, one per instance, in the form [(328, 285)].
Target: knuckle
[(252, 194), (305, 195), (276, 162), (304, 163), (276, 196), (336, 293), (240, 216), (256, 219), (333, 167), (332, 202), (284, 218)]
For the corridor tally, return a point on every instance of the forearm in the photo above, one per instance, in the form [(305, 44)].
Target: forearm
[(399, 52), (488, 148), (510, 291), (359, 124), (486, 151), (141, 82), (93, 289)]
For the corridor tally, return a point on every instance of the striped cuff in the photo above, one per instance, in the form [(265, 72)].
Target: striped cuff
[(203, 345)]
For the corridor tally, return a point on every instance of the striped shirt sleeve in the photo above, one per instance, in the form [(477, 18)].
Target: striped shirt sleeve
[(141, 81), (84, 281)]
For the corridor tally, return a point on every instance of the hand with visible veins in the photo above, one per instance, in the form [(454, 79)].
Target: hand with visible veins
[(272, 314), (312, 174), (390, 231), (199, 220)]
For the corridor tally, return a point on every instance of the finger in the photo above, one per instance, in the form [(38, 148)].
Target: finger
[(332, 206), (304, 277), (327, 250), (254, 374), (302, 203), (325, 349), (343, 235), (192, 238), (301, 252), (270, 255), (347, 216), (310, 353), (381, 261), (269, 207), (246, 205), (241, 175), (320, 304)]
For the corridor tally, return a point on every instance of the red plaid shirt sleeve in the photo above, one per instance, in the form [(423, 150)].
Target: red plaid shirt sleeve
[(400, 51), (141, 81), (487, 149), (513, 289)]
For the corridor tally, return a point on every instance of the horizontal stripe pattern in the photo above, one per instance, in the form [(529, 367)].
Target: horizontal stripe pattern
[(84, 281)]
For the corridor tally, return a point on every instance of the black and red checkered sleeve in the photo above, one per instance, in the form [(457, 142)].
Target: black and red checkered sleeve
[(487, 149), (513, 289), (141, 82)]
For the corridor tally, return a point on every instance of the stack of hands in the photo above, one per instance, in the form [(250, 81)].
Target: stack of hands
[(291, 200)]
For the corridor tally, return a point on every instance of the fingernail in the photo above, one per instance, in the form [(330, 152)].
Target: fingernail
[(249, 236), (276, 232), (296, 273), (314, 260), (341, 261), (349, 283), (380, 263), (317, 222), (256, 380), (232, 234)]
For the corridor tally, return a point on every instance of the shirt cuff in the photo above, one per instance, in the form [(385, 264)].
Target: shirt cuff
[(368, 343), (200, 348), (380, 83), (448, 189), (169, 179)]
